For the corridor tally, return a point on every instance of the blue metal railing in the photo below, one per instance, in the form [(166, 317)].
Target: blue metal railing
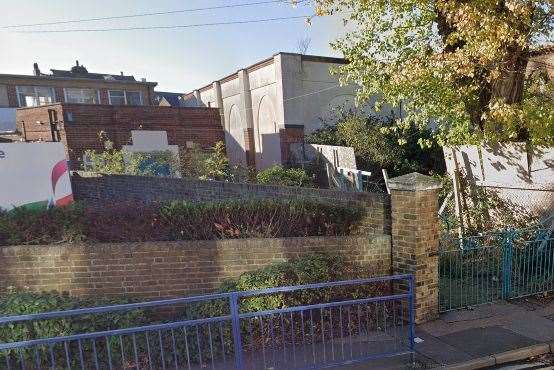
[(299, 327), (496, 265)]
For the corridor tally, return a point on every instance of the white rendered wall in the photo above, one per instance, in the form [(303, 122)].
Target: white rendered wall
[(521, 176), (290, 90)]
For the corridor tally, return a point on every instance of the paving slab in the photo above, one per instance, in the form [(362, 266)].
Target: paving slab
[(440, 352), (533, 326), (486, 341)]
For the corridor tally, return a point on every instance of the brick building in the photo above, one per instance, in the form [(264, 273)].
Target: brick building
[(78, 125), (76, 85)]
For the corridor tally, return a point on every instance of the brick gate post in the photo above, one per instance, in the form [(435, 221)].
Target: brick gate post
[(415, 238)]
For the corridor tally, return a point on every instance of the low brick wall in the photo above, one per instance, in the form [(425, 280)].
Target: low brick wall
[(169, 269), (98, 190)]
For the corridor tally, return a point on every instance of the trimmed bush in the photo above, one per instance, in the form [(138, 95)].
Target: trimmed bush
[(314, 268), (131, 222), (23, 302), (32, 226), (278, 175), (318, 323)]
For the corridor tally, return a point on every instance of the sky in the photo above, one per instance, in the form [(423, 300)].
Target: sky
[(180, 60)]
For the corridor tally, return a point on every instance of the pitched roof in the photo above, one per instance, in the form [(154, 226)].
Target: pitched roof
[(174, 99), (92, 76)]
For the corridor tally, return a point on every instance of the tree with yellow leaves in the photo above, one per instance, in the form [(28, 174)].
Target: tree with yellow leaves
[(459, 64)]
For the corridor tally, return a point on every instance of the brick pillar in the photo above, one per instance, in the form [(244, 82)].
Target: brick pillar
[(250, 147), (415, 238)]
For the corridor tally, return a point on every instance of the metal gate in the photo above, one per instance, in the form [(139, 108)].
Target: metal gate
[(495, 266), (343, 322)]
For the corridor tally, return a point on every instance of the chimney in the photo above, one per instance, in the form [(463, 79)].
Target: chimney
[(77, 63), (122, 73), (36, 70)]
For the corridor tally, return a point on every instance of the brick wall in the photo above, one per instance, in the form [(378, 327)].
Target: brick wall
[(291, 134), (168, 269), (80, 125), (101, 189), (250, 148)]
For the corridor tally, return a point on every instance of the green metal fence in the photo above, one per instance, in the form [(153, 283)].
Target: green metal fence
[(490, 267)]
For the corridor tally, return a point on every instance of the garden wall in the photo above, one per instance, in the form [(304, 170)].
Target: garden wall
[(98, 190), (169, 269)]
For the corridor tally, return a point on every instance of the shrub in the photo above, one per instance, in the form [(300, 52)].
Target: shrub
[(26, 302), (33, 226), (23, 302), (179, 221), (118, 162), (278, 175), (122, 222), (316, 268), (378, 144), (112, 161)]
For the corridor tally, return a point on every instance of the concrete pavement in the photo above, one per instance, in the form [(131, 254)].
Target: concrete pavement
[(483, 336), (486, 330)]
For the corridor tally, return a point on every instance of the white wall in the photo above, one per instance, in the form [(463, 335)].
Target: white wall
[(289, 90), (521, 176)]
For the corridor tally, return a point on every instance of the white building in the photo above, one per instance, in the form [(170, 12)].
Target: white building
[(273, 103)]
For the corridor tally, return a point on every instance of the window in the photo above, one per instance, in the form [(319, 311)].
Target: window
[(117, 97), (81, 96), (120, 97), (32, 96), (133, 97)]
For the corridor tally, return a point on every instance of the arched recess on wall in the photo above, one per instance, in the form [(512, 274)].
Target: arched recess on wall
[(234, 138), (268, 141)]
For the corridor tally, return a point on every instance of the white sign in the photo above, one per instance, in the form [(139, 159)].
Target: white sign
[(34, 175), (150, 141)]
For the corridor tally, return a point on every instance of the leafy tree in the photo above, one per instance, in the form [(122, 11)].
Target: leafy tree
[(376, 144), (458, 63)]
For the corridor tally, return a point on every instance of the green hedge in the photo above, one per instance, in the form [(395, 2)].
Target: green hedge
[(125, 222), (309, 269), (23, 302)]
